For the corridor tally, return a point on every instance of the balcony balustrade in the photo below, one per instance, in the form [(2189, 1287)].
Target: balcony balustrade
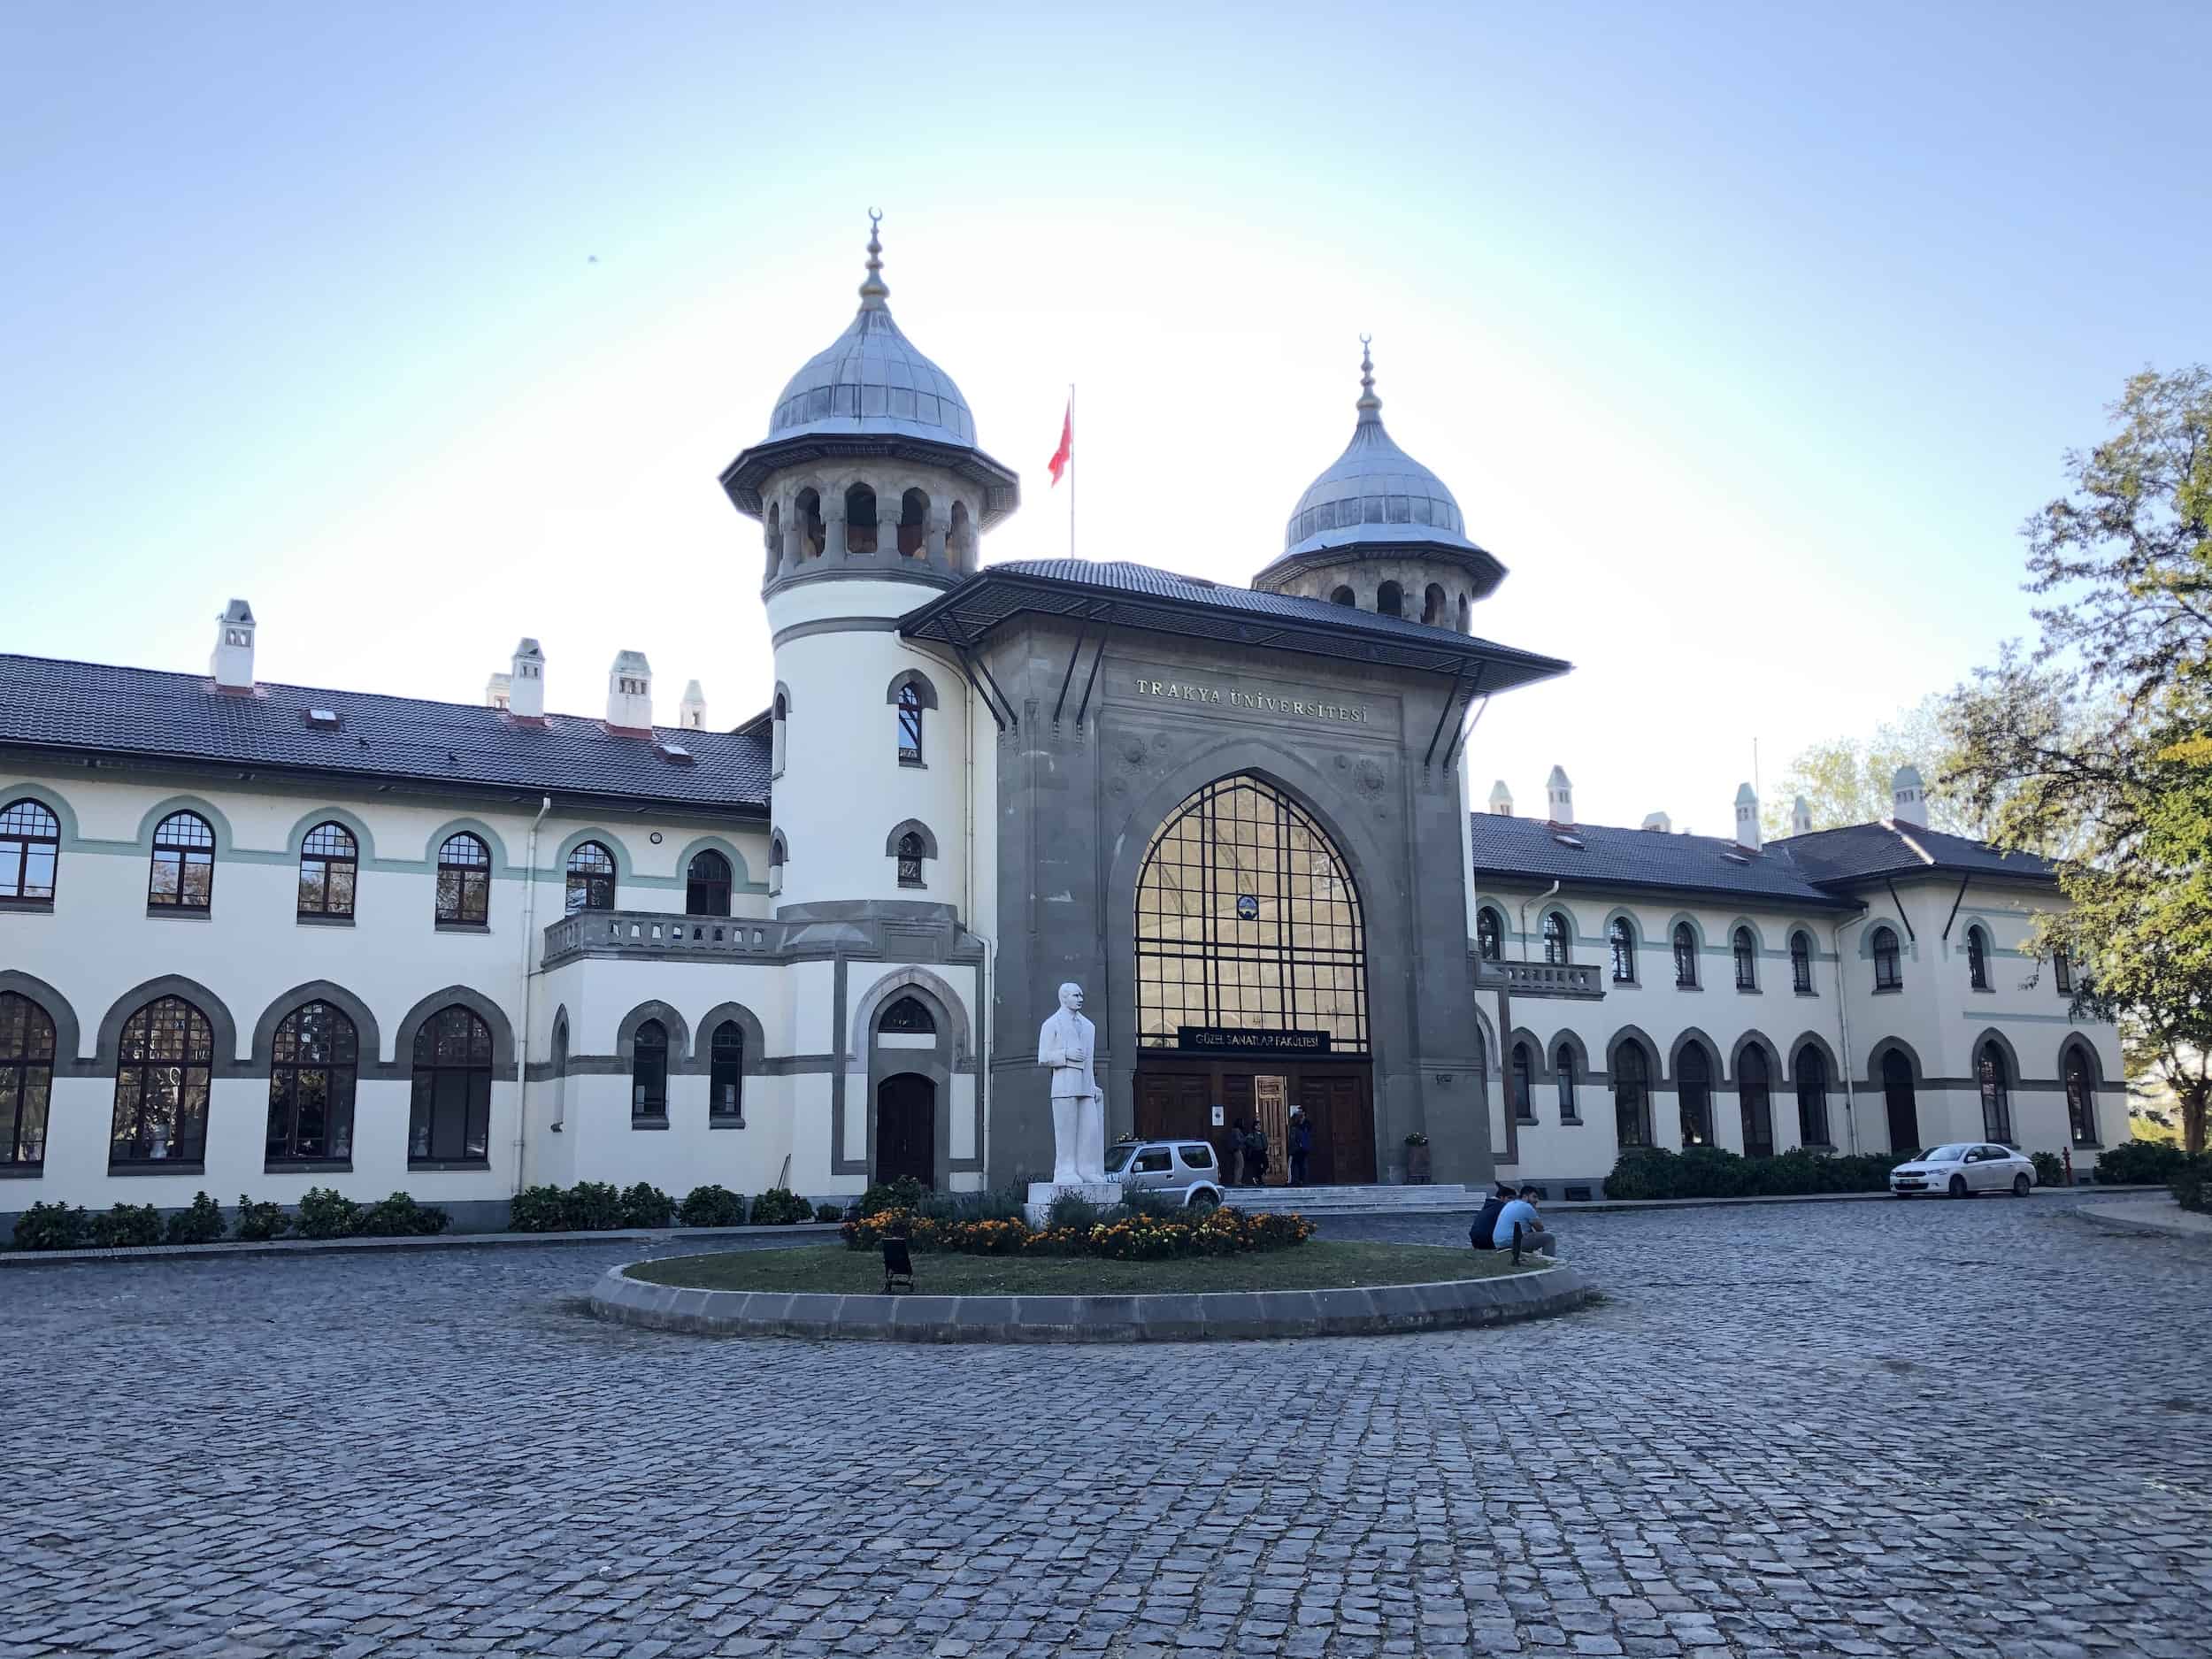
[(658, 934), (1585, 981)]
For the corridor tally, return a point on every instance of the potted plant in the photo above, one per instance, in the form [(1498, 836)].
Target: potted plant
[(1416, 1159)]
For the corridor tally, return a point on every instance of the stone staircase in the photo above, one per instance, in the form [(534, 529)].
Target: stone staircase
[(1353, 1201)]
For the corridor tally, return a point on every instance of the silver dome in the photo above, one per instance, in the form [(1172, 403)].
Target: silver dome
[(1374, 491), (870, 381)]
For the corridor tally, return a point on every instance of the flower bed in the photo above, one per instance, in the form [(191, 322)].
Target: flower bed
[(1138, 1237)]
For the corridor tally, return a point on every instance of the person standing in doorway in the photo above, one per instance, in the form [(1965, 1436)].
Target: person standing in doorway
[(1232, 1154), (1255, 1155), (1300, 1145)]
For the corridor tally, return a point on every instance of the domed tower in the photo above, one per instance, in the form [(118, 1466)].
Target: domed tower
[(872, 495), (1379, 530)]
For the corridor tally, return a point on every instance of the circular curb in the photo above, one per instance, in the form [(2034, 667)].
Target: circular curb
[(1187, 1316), (2103, 1218)]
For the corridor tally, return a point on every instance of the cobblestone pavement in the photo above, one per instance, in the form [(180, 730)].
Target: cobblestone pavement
[(1970, 1428)]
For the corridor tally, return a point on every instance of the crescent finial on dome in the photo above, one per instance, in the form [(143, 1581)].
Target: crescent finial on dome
[(1370, 405), (874, 291)]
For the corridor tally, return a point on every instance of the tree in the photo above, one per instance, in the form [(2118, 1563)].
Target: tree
[(2097, 747), (1850, 780)]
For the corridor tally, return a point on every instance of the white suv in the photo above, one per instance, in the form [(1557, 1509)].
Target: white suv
[(1184, 1170)]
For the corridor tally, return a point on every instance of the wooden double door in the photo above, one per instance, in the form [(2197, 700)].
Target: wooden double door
[(1175, 1100)]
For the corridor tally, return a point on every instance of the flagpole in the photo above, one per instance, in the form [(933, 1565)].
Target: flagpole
[(1070, 471)]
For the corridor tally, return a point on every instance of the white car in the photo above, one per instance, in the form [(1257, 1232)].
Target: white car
[(1182, 1172), (1964, 1168)]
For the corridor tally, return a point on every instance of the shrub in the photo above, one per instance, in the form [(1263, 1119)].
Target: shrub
[(828, 1212), (2192, 1187), (261, 1219), (127, 1224), (592, 1207), (712, 1206), (54, 1227), (399, 1216), (1716, 1172), (200, 1222), (1072, 1209), (1144, 1200), (1131, 1238), (903, 1194), (2146, 1163), (537, 1210), (2050, 1168), (326, 1213), (645, 1205), (778, 1207)]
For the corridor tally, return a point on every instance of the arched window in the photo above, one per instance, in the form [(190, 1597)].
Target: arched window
[(1489, 935), (913, 525), (1390, 600), (1800, 963), (1343, 596), (590, 879), (1556, 937), (1433, 606), (773, 529), (183, 873), (707, 884), (330, 865), (907, 1017), (1631, 1095), (1563, 1069), (1812, 1097), (779, 713), (648, 1072), (1620, 938), (860, 519), (26, 1081), (464, 881), (725, 1074), (450, 1119), (2081, 1091), (163, 1066), (313, 1063), (560, 1069), (959, 535), (1886, 977), (1978, 958), (1684, 956), (30, 846), (1996, 1083), (1746, 957), (1693, 1091), (1523, 1084), (1463, 619), (806, 513), (909, 856), (910, 725), (2062, 968), (1755, 1093)]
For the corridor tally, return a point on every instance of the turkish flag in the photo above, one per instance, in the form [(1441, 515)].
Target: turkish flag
[(1060, 457)]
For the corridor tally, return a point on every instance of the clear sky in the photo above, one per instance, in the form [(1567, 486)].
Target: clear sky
[(1746, 336)]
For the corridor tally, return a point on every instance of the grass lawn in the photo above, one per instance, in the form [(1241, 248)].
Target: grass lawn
[(1314, 1265)]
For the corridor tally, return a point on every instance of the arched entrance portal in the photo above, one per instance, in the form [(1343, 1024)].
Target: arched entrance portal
[(906, 1129), (1251, 968)]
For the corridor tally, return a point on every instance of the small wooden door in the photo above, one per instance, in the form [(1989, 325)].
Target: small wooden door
[(1343, 1129), (906, 1129), (1904, 1115)]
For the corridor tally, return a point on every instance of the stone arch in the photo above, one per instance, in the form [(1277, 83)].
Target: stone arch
[(952, 1013), (367, 1038), (698, 1060), (1989, 1035), (2067, 1045), (924, 688), (1689, 1036), (1882, 1050), (1819, 1046), (1622, 913), (1636, 1034), (624, 871), (363, 840), (216, 822), (1390, 600), (1758, 934), (1485, 1042), (477, 828), (905, 826), (223, 1028), (484, 1008), (779, 709), (1756, 1038), (626, 1029), (1505, 932), (52, 800), (1343, 595), (1572, 928), (55, 1006), (741, 872)]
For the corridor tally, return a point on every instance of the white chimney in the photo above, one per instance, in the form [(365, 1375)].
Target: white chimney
[(1746, 817), (526, 684), (1909, 796), (1562, 795), (499, 691), (1501, 799), (1801, 818), (1658, 821), (691, 713), (232, 662), (630, 692)]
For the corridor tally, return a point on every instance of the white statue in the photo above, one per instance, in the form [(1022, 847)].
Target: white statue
[(1067, 1044)]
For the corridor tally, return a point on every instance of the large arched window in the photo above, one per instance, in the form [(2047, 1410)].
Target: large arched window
[(725, 1074), (707, 884), (163, 1066), (1755, 1093), (1812, 1097), (1977, 958), (313, 1063), (910, 725), (1390, 600), (30, 847), (1632, 1094), (1800, 963), (450, 1115), (648, 1072), (330, 866), (1996, 1084), (1489, 935), (1746, 956), (860, 519), (182, 874), (1621, 940), (1694, 1092), (1247, 919), (1523, 1083), (464, 881), (1563, 1069), (1556, 938), (1685, 956), (2081, 1093), (1887, 975), (26, 1081), (590, 879)]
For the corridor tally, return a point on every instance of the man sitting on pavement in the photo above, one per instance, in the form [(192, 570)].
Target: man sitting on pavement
[(1483, 1233), (1520, 1229)]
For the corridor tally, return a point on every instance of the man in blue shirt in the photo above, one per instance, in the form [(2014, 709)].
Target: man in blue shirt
[(1522, 1215)]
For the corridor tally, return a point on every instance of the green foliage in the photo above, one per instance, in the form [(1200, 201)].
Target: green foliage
[(2192, 1187), (54, 1227), (1121, 1238), (326, 1213), (592, 1207), (2050, 1168), (2141, 1163), (712, 1206), (903, 1194), (1716, 1172), (828, 1212), (1149, 1201), (780, 1206), (1072, 1209), (1849, 781), (126, 1225), (538, 1210), (398, 1216), (261, 1219), (645, 1205), (199, 1223)]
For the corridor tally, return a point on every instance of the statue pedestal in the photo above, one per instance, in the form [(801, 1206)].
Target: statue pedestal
[(1041, 1193)]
